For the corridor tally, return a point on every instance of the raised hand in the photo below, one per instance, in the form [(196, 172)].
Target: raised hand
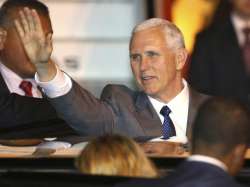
[(37, 46)]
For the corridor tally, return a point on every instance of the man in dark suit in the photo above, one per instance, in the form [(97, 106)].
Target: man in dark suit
[(157, 56), (24, 113), (219, 65), (219, 143)]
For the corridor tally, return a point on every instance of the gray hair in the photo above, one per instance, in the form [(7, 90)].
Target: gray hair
[(174, 37)]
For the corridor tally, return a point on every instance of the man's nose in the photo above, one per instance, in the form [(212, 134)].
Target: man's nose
[(145, 63)]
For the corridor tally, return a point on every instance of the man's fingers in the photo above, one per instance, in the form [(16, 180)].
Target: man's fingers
[(38, 47), (49, 39), (49, 42), (37, 21), (30, 18), (24, 22), (19, 29)]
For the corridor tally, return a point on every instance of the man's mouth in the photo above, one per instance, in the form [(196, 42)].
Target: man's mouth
[(147, 78)]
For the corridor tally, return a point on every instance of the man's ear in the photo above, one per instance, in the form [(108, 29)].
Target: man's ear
[(238, 155), (181, 58), (3, 36), (240, 151)]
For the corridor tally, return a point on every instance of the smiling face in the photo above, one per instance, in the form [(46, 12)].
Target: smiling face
[(157, 68), (13, 55)]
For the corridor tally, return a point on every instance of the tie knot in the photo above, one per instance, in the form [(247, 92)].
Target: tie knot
[(165, 111), (26, 86)]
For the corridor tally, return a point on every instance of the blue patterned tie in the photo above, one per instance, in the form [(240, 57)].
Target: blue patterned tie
[(168, 129)]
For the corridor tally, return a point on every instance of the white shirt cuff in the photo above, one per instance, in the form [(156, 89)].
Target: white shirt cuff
[(58, 86)]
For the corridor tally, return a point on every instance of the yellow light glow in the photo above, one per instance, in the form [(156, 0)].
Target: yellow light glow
[(191, 16)]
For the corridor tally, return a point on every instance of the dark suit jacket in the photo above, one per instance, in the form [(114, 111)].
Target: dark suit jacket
[(190, 174), (217, 66), (26, 117), (120, 110)]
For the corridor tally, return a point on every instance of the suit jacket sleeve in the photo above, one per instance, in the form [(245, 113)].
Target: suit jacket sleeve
[(85, 113), (89, 116)]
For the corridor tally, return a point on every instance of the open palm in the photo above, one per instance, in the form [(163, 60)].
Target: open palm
[(38, 47)]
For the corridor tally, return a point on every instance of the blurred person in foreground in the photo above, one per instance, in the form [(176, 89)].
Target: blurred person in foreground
[(115, 155), (165, 107), (24, 111), (219, 143)]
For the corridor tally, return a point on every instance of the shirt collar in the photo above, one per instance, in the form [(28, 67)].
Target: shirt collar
[(12, 79), (209, 160), (175, 103), (239, 24), (179, 99)]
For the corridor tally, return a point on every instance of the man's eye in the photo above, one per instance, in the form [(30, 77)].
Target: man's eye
[(135, 57), (152, 54)]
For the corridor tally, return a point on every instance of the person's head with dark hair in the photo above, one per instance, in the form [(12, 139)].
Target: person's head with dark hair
[(241, 8), (12, 54), (225, 7), (10, 6), (221, 130)]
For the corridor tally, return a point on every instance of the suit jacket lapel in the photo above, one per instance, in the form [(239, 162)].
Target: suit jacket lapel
[(195, 100), (3, 87), (147, 116), (192, 109), (150, 121)]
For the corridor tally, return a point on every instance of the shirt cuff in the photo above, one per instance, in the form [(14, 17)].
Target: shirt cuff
[(58, 86)]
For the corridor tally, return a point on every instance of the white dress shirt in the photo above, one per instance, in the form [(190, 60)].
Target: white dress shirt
[(179, 113), (61, 85), (239, 24), (13, 81), (209, 160)]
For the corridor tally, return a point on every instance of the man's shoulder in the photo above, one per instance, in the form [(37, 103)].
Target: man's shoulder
[(197, 96), (209, 175), (121, 95), (186, 175), (117, 89), (215, 31)]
